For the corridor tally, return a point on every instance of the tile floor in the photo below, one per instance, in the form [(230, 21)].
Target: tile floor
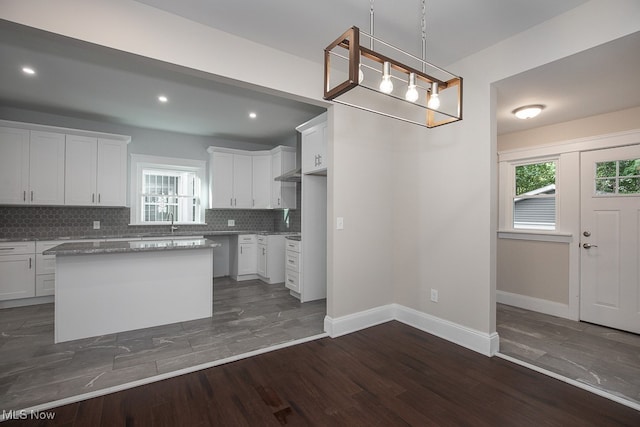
[(247, 316), (607, 359)]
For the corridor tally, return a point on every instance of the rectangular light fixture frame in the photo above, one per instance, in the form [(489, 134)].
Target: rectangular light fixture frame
[(350, 41)]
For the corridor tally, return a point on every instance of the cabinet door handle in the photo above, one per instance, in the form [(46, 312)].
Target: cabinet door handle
[(29, 263), (24, 196), (93, 197), (240, 250), (32, 195), (278, 201), (231, 201), (99, 197), (6, 249)]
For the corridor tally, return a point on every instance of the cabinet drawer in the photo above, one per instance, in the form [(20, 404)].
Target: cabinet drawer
[(292, 245), (45, 264), (262, 239), (17, 248), (292, 280), (45, 284), (246, 238), (292, 260)]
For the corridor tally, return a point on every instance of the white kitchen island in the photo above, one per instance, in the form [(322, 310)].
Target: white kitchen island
[(108, 287)]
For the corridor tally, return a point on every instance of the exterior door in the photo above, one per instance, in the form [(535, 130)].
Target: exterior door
[(610, 227)]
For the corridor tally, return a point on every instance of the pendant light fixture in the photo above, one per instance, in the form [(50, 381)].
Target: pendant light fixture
[(428, 95)]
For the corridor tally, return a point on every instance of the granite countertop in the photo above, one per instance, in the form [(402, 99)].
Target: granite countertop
[(207, 233), (94, 248)]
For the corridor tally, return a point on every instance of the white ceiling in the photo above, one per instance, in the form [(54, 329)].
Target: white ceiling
[(78, 79)]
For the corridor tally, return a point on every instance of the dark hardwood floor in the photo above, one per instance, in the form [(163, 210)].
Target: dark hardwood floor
[(388, 375)]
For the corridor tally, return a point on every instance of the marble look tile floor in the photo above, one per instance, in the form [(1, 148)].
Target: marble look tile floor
[(248, 316), (607, 359)]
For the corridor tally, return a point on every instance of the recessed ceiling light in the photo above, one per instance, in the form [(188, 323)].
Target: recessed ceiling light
[(528, 111), (253, 115), (28, 71), (163, 99)]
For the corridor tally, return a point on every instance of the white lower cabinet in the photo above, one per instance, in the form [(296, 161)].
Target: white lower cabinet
[(271, 258), (293, 267), (244, 261), (17, 270), (45, 268)]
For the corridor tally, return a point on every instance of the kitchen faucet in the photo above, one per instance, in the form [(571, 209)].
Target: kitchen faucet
[(173, 227)]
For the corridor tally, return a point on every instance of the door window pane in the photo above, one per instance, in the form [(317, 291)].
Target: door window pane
[(617, 177)]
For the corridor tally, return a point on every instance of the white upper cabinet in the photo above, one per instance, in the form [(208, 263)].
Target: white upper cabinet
[(31, 167), (64, 167), (46, 168), (111, 180), (314, 145), (241, 179), (231, 180), (14, 165), (80, 171), (221, 173), (261, 181), (95, 172), (283, 194)]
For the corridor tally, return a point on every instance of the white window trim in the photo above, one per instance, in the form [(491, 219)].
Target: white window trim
[(142, 161)]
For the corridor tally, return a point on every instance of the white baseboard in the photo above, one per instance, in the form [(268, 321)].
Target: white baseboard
[(551, 308), (357, 321), (472, 339)]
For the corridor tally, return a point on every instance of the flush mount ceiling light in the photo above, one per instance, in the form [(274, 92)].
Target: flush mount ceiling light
[(163, 99), (414, 90), (528, 111), (253, 115)]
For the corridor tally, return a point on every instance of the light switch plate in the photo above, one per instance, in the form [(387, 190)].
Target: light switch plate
[(231, 223), (96, 225), (339, 223)]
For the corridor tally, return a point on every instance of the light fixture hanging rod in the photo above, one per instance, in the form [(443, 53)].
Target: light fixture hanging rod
[(360, 107), (408, 54)]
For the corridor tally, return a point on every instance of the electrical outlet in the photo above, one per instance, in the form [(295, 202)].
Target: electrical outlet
[(231, 223), (434, 295), (96, 225)]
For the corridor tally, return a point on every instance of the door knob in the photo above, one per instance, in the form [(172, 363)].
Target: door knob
[(589, 246)]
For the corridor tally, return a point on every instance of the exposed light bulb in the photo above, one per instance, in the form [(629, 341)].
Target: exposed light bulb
[(29, 71), (412, 94), (434, 99), (386, 86), (360, 74)]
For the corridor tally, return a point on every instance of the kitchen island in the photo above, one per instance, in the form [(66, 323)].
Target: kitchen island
[(109, 287)]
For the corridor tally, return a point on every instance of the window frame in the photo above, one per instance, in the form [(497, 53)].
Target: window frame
[(526, 196), (141, 162), (508, 194)]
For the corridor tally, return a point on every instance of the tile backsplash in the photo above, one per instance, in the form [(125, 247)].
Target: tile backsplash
[(50, 222)]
